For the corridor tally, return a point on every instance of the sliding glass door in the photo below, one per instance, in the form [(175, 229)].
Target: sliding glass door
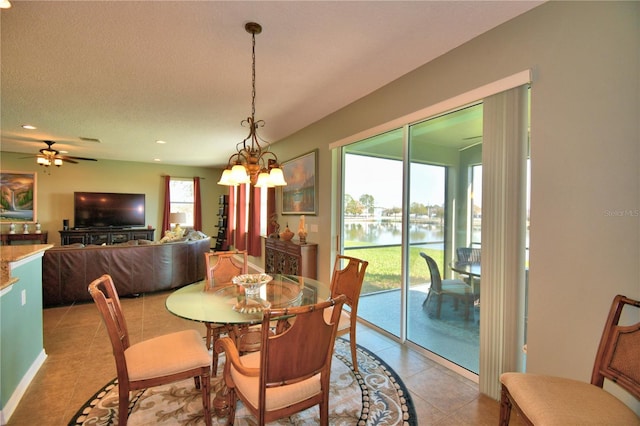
[(391, 217), (372, 223)]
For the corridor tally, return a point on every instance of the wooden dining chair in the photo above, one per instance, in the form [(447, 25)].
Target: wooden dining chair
[(348, 280), (549, 400), (456, 289), (153, 362), (291, 371), (221, 267)]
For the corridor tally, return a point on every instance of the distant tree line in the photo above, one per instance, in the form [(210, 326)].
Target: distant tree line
[(365, 206)]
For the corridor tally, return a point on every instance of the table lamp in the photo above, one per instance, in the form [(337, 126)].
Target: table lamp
[(178, 218)]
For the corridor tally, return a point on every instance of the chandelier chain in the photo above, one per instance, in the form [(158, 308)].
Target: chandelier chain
[(253, 75)]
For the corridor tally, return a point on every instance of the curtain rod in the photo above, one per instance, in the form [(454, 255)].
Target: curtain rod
[(183, 177)]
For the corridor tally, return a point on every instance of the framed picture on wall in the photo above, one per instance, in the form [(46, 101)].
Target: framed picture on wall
[(18, 197), (300, 195)]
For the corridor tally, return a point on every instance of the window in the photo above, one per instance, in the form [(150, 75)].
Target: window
[(182, 199)]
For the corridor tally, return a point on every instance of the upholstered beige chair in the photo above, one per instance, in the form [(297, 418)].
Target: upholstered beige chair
[(291, 371), (221, 267), (549, 400), (153, 362), (348, 280), (456, 289)]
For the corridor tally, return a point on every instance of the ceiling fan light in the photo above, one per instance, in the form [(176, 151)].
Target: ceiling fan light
[(57, 162), (277, 177)]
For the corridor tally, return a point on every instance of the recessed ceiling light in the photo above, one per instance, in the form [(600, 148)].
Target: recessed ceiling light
[(29, 127), (161, 142), (157, 159)]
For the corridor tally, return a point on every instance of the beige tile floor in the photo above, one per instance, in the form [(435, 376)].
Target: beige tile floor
[(80, 362)]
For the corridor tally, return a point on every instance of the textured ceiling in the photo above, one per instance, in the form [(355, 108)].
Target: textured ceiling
[(132, 72)]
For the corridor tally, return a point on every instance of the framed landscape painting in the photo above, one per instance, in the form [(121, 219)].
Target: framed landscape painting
[(300, 195), (17, 197)]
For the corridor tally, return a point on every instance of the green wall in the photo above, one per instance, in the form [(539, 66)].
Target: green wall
[(21, 337), (55, 190)]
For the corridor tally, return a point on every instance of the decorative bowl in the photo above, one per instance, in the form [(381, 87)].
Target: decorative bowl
[(251, 282), (250, 302)]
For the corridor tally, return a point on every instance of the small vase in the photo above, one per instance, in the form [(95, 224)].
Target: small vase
[(25, 228), (38, 228), (12, 228)]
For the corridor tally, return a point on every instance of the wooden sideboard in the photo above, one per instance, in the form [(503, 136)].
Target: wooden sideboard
[(291, 257), (104, 236), (40, 238)]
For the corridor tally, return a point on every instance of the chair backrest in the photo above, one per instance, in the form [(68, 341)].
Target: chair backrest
[(348, 280), (468, 255), (106, 299), (436, 279), (302, 350), (222, 266), (618, 357)]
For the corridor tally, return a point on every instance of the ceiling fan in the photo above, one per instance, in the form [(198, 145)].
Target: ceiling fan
[(51, 157)]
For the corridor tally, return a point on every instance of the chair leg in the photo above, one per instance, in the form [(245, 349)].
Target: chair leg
[(215, 335), (426, 300), (352, 342), (324, 412), (123, 403), (205, 381), (505, 407), (208, 341), (232, 400)]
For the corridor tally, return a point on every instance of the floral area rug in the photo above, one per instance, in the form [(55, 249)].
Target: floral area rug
[(374, 396)]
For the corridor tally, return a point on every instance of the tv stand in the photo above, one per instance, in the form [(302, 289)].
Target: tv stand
[(95, 236)]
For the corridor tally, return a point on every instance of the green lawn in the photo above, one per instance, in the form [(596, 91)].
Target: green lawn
[(383, 272)]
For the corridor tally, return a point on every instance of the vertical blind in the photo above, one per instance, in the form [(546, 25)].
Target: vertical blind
[(504, 166)]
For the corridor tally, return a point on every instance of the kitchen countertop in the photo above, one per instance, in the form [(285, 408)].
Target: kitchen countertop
[(15, 253)]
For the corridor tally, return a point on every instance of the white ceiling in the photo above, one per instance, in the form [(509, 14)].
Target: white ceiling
[(132, 72)]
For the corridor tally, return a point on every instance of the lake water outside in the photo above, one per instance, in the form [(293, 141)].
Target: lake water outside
[(388, 232)]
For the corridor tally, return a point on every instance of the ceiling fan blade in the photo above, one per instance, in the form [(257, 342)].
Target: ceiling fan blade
[(67, 157), (67, 160)]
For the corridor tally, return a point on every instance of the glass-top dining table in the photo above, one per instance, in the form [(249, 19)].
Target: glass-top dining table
[(229, 305)]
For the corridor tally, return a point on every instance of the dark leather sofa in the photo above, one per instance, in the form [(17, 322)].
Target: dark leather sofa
[(67, 271)]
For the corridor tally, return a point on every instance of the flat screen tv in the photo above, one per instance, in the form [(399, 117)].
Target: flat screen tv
[(108, 210)]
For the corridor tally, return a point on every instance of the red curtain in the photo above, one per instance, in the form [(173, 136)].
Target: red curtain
[(271, 210), (197, 205), (167, 206), (254, 244), (244, 223), (241, 219), (231, 217)]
